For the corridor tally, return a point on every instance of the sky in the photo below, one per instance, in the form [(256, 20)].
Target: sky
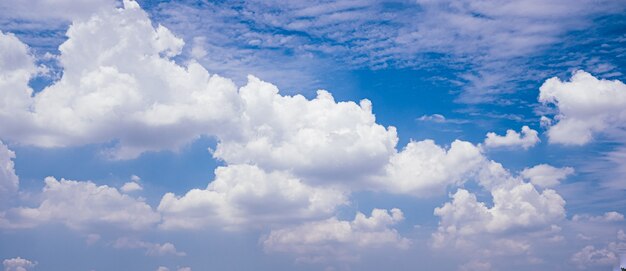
[(312, 135)]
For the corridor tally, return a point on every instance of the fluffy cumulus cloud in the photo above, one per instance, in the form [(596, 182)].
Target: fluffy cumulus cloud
[(152, 249), (18, 264), (544, 175), (518, 206), (587, 106), (526, 139), (9, 182), (245, 195), (325, 140), (119, 84), (338, 239), (82, 204), (423, 168)]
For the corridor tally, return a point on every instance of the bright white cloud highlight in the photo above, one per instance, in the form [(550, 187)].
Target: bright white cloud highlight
[(423, 168), (338, 239), (110, 62), (18, 264), (82, 204), (517, 205), (245, 195), (586, 105), (526, 139), (131, 187), (545, 175), (325, 140)]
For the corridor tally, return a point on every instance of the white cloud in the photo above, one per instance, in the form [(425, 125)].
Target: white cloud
[(119, 84), (82, 204), (18, 264), (606, 217), (162, 268), (9, 182), (526, 139), (438, 118), (131, 187), (423, 168), (244, 196), (152, 249), (586, 106), (325, 140), (545, 175), (338, 239), (517, 205), (590, 256)]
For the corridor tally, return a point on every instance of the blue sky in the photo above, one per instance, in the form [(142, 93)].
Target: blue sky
[(312, 135)]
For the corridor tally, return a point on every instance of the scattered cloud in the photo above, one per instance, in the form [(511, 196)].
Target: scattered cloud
[(336, 239), (607, 217), (152, 249), (245, 196), (544, 175), (18, 264), (82, 204), (526, 139), (587, 106)]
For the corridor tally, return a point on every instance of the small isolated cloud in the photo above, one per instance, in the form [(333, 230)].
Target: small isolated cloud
[(438, 118), (18, 264), (545, 175), (81, 204), (586, 106), (152, 249), (526, 139), (131, 187), (338, 239), (606, 217)]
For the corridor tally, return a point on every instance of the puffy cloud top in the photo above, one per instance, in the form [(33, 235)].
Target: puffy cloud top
[(586, 106)]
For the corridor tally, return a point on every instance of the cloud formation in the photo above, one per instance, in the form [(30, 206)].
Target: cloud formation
[(338, 239), (586, 107), (247, 196), (526, 139), (18, 264), (82, 204)]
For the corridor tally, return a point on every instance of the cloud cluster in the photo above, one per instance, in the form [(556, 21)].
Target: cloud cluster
[(18, 264), (80, 205), (586, 106), (518, 208), (526, 139), (245, 195), (334, 238), (544, 175), (119, 84)]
